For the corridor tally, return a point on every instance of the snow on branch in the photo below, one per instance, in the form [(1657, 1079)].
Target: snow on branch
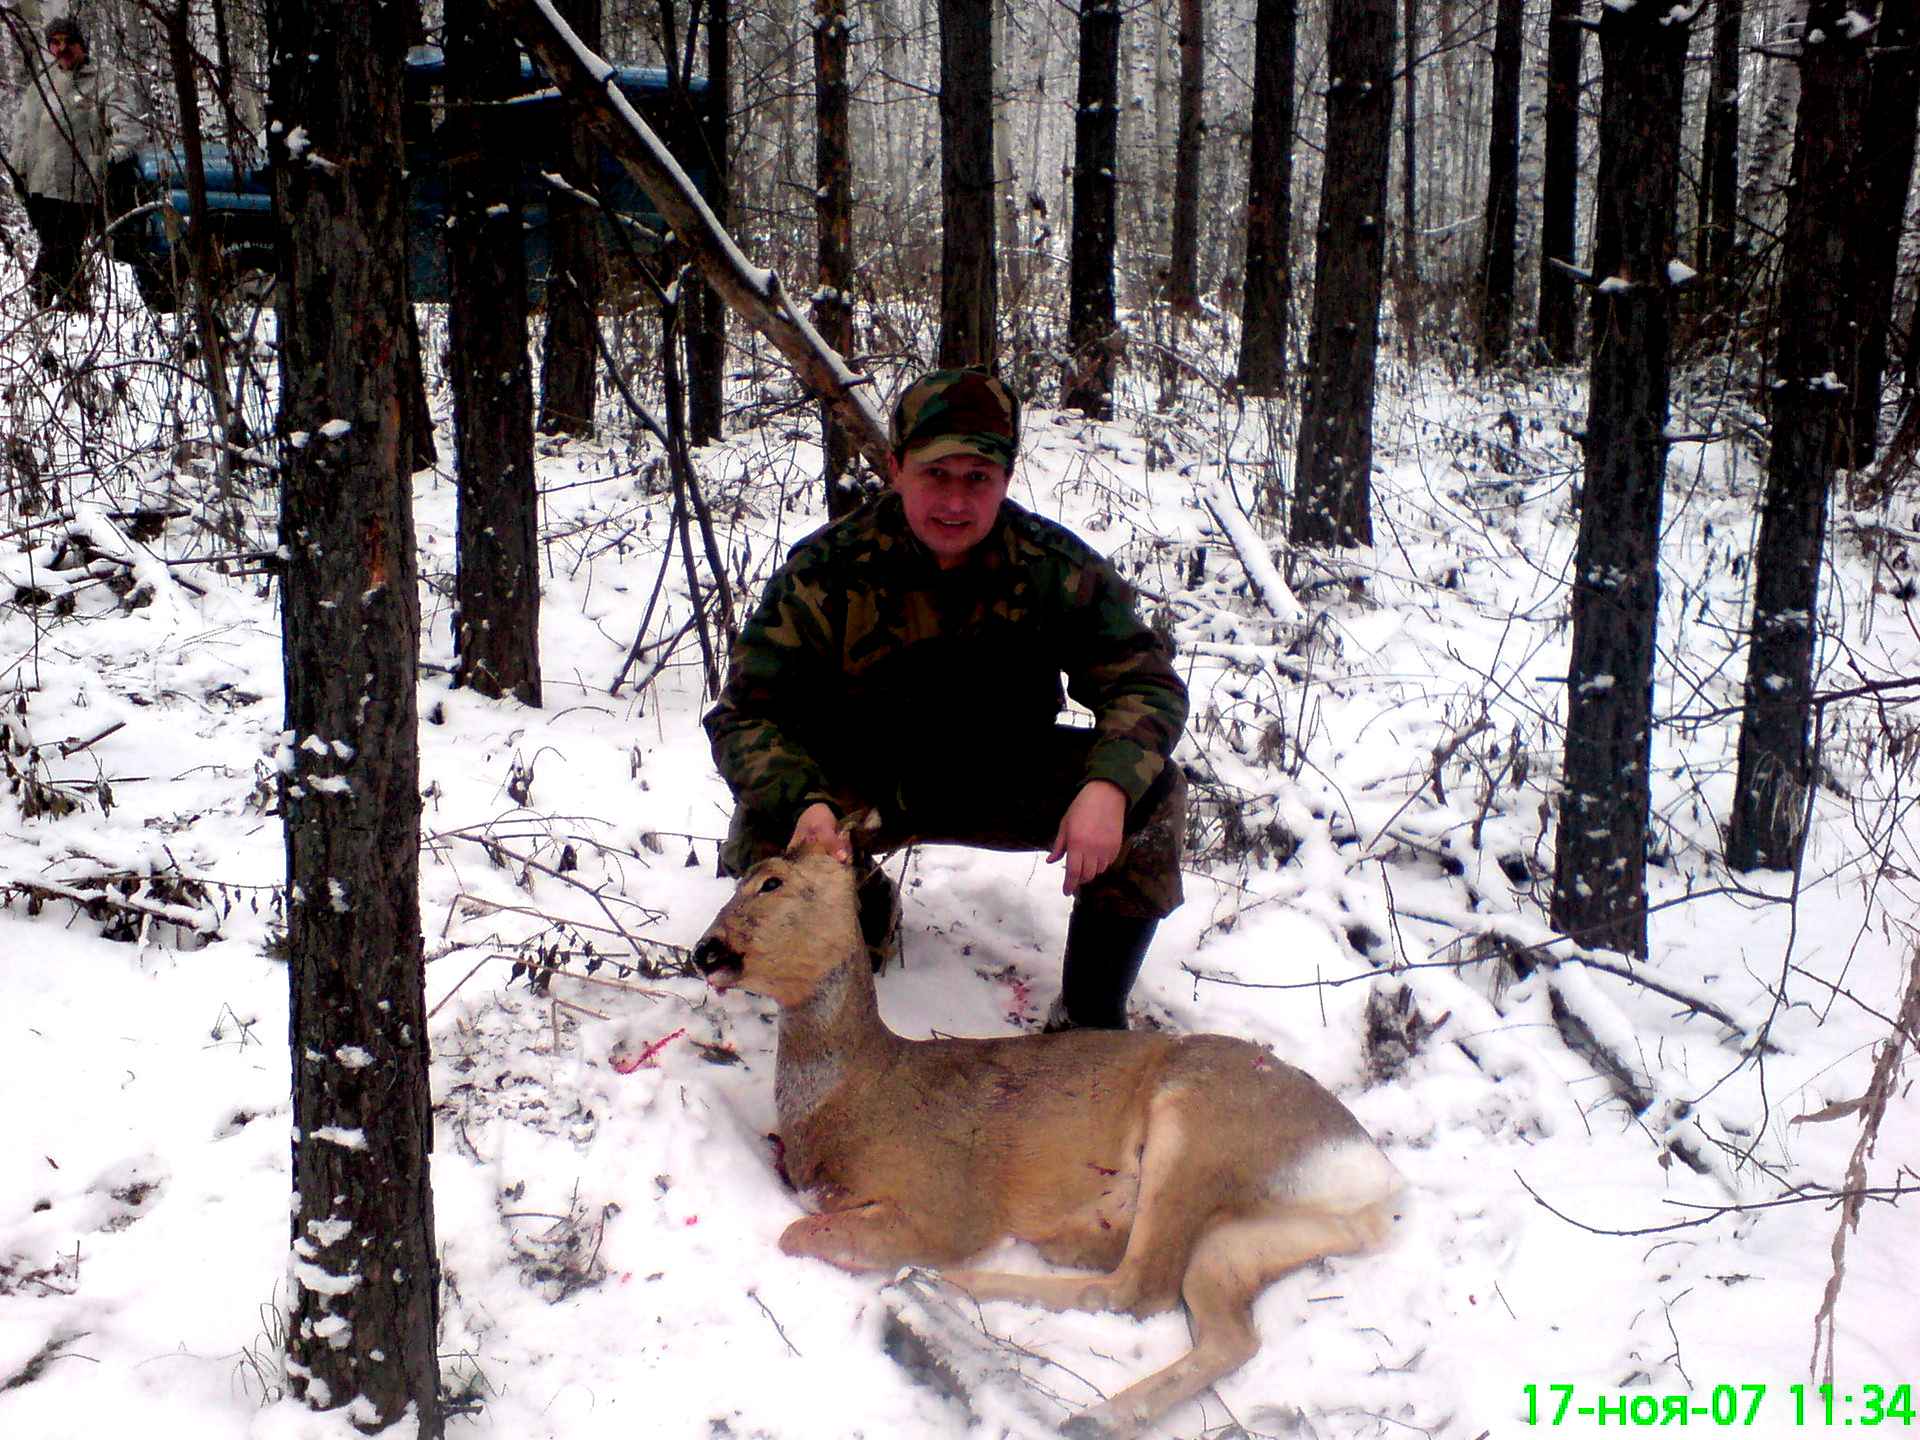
[(1252, 550)]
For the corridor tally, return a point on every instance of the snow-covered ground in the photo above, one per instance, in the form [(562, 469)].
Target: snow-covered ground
[(607, 1201)]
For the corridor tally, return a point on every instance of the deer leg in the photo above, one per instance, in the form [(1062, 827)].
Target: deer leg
[(1173, 1204), (1234, 1261), (876, 1236)]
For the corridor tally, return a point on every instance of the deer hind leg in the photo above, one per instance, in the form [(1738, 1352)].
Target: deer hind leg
[(1234, 1261), (1173, 1205)]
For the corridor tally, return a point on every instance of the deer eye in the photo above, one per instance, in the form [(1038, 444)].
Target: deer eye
[(769, 885)]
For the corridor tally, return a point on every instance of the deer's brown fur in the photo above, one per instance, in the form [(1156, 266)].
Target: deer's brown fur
[(1191, 1168)]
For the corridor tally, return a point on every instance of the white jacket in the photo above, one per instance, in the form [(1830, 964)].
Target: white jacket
[(71, 122)]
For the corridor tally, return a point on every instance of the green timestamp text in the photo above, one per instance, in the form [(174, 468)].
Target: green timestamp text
[(1809, 1406)]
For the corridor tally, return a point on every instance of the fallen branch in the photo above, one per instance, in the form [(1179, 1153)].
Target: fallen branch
[(1254, 559)]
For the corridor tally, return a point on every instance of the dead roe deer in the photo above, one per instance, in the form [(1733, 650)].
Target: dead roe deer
[(1193, 1168)]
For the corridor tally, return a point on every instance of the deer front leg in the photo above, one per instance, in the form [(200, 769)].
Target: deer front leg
[(878, 1235)]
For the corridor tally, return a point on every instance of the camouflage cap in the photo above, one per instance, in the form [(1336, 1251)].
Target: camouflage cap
[(957, 412)]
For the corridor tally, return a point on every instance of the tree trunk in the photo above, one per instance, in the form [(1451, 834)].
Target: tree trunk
[(1887, 165), (1720, 162), (1409, 168), (1183, 274), (1820, 255), (1332, 486), (1088, 384), (1503, 189), (200, 265), (833, 220), (496, 618), (569, 356), (1267, 296), (705, 311), (1600, 858), (968, 294), (1556, 323), (364, 1313)]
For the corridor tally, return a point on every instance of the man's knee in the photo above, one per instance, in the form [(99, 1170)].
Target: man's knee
[(1145, 881)]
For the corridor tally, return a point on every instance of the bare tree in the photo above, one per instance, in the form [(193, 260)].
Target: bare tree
[(364, 1312), (1183, 270), (1600, 857), (705, 314), (569, 357), (1886, 162), (1503, 188), (1088, 384), (1556, 323), (496, 622), (969, 294), (1267, 295), (1812, 408), (1720, 160), (1333, 481), (1409, 169), (833, 211)]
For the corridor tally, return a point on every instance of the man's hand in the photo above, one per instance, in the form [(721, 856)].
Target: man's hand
[(1090, 833), (818, 825)]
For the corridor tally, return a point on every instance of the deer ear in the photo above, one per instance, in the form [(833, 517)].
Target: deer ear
[(861, 828)]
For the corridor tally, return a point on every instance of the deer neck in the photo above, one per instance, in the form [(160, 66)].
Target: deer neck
[(832, 1040)]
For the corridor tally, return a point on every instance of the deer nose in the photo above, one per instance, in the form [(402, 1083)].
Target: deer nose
[(713, 954)]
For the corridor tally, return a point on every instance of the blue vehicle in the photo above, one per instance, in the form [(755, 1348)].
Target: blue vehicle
[(240, 195)]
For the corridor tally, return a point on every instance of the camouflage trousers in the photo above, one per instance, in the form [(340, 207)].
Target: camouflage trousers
[(1013, 802)]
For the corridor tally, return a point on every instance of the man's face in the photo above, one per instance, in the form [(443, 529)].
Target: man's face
[(951, 502), (67, 52)]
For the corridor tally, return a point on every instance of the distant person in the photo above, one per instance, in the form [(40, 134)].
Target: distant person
[(74, 123), (907, 659)]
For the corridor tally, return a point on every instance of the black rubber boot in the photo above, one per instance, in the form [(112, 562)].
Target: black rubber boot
[(1104, 953)]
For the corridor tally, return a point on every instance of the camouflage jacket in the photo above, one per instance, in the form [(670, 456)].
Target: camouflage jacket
[(864, 657)]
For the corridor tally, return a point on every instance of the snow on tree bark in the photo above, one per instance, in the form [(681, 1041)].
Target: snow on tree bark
[(1267, 295), (1815, 347), (1088, 384), (1599, 878), (496, 622), (361, 1332), (1332, 487)]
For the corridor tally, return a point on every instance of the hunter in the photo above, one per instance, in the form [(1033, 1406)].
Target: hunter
[(907, 659)]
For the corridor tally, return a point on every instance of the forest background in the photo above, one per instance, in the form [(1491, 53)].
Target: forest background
[(1541, 272)]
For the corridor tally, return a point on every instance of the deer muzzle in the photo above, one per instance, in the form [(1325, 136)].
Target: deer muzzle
[(719, 962)]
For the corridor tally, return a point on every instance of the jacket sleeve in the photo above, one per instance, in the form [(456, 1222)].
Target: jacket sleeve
[(124, 128), (778, 667), (1122, 672)]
